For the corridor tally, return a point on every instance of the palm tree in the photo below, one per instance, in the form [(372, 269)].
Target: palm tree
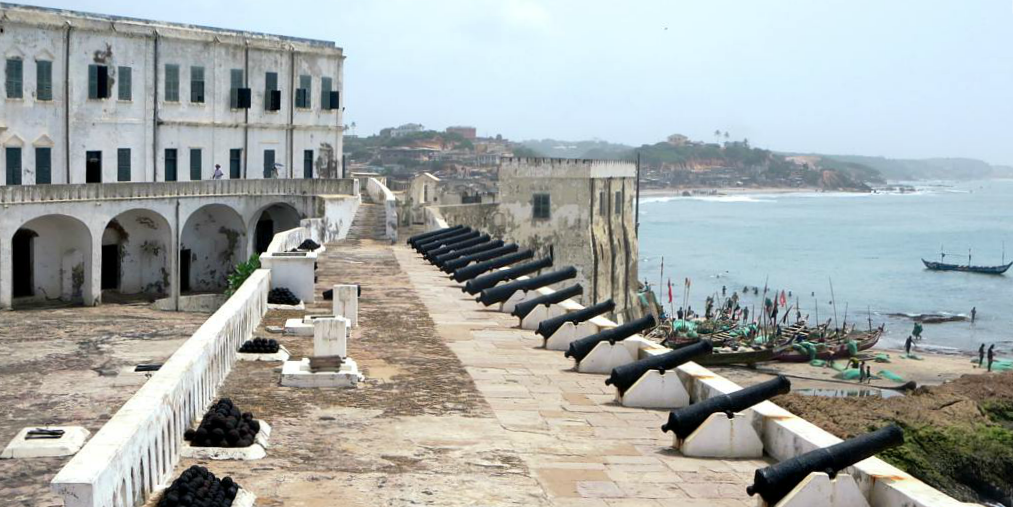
[(717, 135)]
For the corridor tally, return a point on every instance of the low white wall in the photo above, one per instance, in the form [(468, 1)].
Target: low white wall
[(381, 194), (287, 240), (434, 219), (338, 214), (139, 447)]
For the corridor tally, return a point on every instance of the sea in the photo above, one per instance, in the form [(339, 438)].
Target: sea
[(865, 249)]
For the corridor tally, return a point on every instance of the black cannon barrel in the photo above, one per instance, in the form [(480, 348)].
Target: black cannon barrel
[(466, 241), (548, 327), (444, 234), (476, 285), (579, 349), (489, 244), (623, 377), (776, 481), (462, 261), (503, 292), (426, 235), (685, 420), (429, 246), (469, 272), (523, 309), (448, 246)]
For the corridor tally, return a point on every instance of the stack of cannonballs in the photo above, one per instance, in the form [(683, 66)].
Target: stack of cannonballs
[(197, 487), (259, 346), (224, 426), (309, 244), (282, 296)]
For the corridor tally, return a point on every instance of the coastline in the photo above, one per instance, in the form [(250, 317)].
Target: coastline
[(678, 191)]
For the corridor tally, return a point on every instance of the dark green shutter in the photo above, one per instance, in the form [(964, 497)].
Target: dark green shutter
[(235, 163), (170, 164), (43, 166), (197, 85), (13, 166), (171, 83), (123, 164), (44, 80), (15, 78), (268, 163), (125, 83), (307, 164), (195, 164), (236, 82), (325, 93)]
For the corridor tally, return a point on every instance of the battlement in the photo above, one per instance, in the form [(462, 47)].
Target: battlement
[(529, 167)]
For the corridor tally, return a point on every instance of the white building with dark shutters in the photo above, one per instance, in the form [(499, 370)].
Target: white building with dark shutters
[(90, 98)]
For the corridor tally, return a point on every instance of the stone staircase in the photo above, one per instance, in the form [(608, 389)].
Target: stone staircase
[(368, 222)]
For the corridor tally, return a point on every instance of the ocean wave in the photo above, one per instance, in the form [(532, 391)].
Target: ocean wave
[(709, 198)]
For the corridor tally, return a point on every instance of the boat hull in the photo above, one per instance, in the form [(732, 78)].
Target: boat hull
[(985, 270), (841, 352)]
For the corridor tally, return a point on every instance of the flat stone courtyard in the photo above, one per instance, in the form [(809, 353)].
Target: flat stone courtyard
[(73, 366), (459, 407)]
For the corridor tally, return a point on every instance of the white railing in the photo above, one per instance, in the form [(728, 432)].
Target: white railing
[(139, 447), (100, 191), (381, 194), (287, 240)]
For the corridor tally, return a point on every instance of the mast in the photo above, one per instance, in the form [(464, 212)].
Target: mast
[(833, 300)]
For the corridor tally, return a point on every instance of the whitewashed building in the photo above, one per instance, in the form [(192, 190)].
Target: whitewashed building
[(91, 98)]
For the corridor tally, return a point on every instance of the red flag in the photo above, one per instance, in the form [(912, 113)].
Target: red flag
[(669, 291), (784, 299), (687, 283)]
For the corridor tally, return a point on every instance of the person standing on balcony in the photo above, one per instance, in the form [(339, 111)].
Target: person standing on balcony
[(218, 172)]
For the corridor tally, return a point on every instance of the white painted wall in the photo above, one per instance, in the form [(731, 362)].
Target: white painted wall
[(63, 246), (145, 251), (216, 237)]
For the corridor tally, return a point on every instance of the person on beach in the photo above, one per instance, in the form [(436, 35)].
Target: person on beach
[(868, 374), (981, 355), (974, 313), (679, 314), (917, 331), (907, 345), (991, 356), (861, 372)]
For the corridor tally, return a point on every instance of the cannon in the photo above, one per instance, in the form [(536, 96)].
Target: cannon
[(523, 309), (579, 349), (445, 233), (429, 246), (623, 377), (469, 272), (685, 420), (462, 261), (440, 260), (466, 241), (426, 235), (773, 483), (503, 292), (548, 327), (476, 285)]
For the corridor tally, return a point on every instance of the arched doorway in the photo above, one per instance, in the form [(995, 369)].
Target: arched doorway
[(213, 241), (271, 220), (51, 260), (135, 254)]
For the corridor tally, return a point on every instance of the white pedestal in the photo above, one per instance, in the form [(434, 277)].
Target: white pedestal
[(819, 490), (253, 452), (721, 437), (655, 390), (298, 374), (346, 303), (517, 298), (298, 327), (604, 357), (330, 337), (293, 271), (72, 440), (568, 332), (299, 307), (281, 355), (540, 313)]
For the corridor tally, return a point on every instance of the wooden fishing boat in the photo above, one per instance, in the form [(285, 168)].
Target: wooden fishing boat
[(835, 349), (967, 268)]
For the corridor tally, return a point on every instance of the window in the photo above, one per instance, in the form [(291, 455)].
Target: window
[(603, 205), (43, 166), (13, 166), (268, 163), (197, 85), (307, 164), (541, 207), (170, 164), (125, 85), (235, 84), (15, 78), (302, 94), (98, 82), (195, 164), (43, 80), (325, 93), (171, 83), (93, 167), (618, 204), (272, 96), (123, 164), (235, 163)]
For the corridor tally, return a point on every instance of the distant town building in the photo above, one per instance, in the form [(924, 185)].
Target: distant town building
[(678, 140), (91, 98), (468, 133), (403, 130)]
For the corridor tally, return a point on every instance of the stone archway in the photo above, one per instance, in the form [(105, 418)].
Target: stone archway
[(271, 220), (55, 250), (136, 246), (212, 242)]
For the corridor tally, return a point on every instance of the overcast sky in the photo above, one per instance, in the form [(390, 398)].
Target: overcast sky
[(899, 78)]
